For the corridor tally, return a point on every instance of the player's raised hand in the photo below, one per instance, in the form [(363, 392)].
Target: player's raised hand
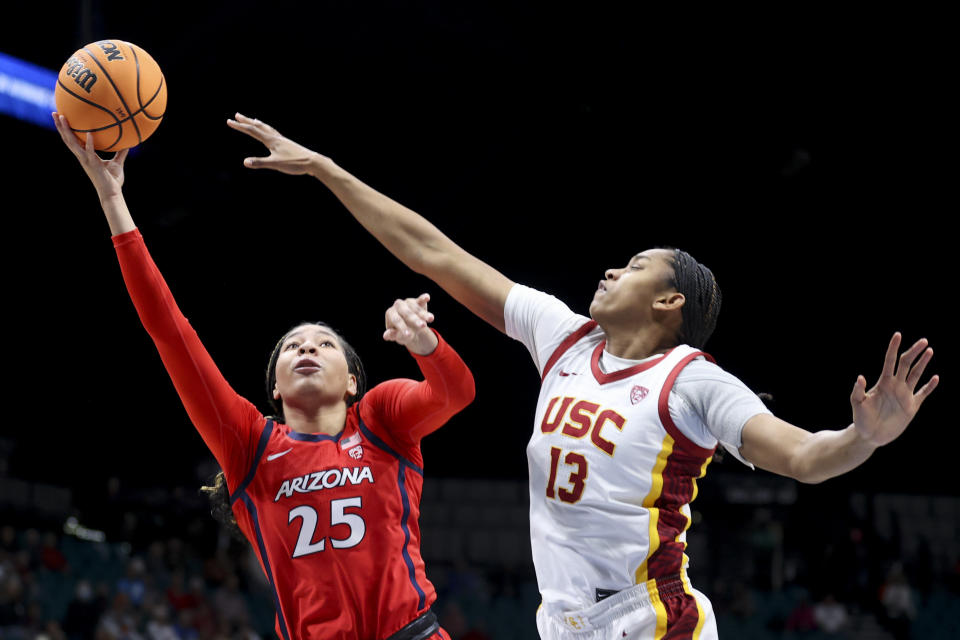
[(285, 156), (881, 414), (406, 324), (106, 175)]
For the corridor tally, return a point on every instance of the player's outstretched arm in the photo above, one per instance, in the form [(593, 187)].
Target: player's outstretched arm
[(106, 176), (880, 415), (406, 234)]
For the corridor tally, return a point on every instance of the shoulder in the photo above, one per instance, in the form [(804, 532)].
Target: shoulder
[(702, 370), (385, 392), (704, 381), (523, 296), (529, 309)]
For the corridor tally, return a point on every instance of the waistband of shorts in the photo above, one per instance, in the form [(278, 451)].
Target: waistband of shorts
[(421, 627), (639, 596)]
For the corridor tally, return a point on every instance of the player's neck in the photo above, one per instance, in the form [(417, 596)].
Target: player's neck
[(637, 344), (328, 420)]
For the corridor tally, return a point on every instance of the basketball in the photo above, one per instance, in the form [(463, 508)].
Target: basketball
[(113, 90)]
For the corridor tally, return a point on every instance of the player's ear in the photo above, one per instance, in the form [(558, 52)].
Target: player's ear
[(669, 301), (351, 386), (276, 392)]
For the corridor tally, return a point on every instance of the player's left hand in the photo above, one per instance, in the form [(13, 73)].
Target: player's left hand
[(106, 175), (881, 414), (407, 321), (285, 156)]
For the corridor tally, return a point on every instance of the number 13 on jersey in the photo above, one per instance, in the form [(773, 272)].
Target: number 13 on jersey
[(575, 481)]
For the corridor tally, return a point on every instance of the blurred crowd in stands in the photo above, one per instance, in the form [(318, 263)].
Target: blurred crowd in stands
[(153, 565)]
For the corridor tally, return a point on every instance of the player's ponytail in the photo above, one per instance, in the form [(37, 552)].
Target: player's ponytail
[(698, 285), (354, 366), (219, 497)]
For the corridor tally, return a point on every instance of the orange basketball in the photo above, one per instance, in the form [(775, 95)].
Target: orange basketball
[(114, 90)]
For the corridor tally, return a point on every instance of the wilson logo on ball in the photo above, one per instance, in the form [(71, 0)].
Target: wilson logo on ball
[(113, 52), (76, 70)]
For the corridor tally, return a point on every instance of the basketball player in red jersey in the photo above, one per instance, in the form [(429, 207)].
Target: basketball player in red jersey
[(329, 494), (629, 415)]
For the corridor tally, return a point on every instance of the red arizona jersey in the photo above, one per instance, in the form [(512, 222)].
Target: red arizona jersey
[(333, 519)]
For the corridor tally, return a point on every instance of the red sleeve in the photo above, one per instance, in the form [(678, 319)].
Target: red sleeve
[(409, 410), (227, 422)]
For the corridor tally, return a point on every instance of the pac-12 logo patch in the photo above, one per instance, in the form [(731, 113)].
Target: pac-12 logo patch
[(638, 393), (357, 452)]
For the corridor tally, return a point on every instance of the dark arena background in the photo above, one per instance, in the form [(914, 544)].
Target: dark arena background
[(803, 154)]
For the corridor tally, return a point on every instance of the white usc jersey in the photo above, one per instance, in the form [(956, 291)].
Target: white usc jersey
[(611, 476)]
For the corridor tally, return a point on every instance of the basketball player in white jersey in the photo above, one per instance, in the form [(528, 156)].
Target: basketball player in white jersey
[(629, 415)]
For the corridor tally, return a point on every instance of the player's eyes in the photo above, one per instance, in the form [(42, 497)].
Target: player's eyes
[(292, 345), (327, 343)]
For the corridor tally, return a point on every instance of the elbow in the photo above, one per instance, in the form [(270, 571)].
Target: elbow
[(467, 395), (802, 471)]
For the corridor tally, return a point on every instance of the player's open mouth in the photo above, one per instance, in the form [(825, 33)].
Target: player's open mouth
[(306, 365)]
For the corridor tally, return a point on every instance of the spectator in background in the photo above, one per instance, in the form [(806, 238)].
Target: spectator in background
[(801, 618), (120, 622), (13, 608), (83, 612), (155, 562), (830, 615), (185, 628), (8, 541), (51, 557), (229, 603), (133, 583), (159, 626), (178, 597), (899, 609)]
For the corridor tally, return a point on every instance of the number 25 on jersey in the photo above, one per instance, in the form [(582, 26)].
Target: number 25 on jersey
[(338, 515)]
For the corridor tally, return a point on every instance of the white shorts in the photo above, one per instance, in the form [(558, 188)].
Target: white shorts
[(664, 609)]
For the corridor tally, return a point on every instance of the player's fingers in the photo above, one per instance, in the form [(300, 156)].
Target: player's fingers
[(421, 302), (908, 356), (88, 146), (927, 389), (121, 157), (248, 126), (391, 335), (395, 321), (63, 127), (917, 369), (412, 313), (258, 125), (891, 357), (255, 163), (859, 392)]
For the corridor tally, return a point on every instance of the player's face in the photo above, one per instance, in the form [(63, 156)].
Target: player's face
[(631, 294), (312, 368)]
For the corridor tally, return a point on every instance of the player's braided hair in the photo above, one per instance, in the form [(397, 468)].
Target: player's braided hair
[(354, 366), (698, 285), (219, 497)]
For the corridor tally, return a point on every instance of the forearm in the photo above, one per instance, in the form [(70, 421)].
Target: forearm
[(116, 212), (419, 244), (220, 415), (407, 235), (780, 447), (827, 454)]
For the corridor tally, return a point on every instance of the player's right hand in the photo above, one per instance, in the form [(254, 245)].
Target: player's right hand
[(406, 323), (106, 175), (285, 156)]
